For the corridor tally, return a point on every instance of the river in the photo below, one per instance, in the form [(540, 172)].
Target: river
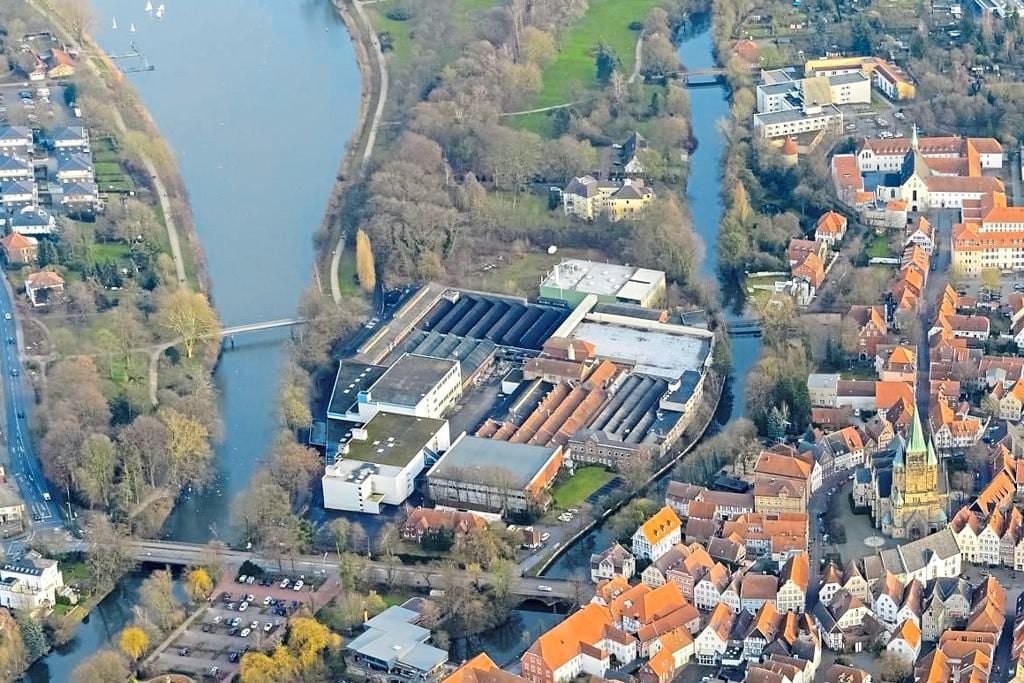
[(257, 98), (709, 106)]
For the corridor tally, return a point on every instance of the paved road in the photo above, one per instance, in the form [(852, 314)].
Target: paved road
[(25, 468)]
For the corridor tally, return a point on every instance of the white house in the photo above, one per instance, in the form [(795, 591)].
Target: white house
[(71, 137), (615, 561), (656, 536), (710, 644), (16, 140), (906, 642), (14, 168), (75, 168), (32, 584)]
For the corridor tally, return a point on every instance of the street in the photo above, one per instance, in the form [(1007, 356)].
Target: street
[(24, 466)]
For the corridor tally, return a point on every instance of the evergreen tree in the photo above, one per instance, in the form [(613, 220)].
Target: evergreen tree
[(32, 634)]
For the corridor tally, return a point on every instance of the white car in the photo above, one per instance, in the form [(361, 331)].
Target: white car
[(267, 600), (254, 625), (544, 589), (267, 626), (244, 606), (7, 316), (298, 585), (217, 619), (544, 537), (284, 583), (245, 633)]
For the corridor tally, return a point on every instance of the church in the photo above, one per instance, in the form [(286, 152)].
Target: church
[(924, 181), (909, 488)]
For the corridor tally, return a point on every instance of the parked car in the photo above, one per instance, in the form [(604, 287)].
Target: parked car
[(241, 579), (244, 606), (245, 633), (284, 583), (544, 589), (544, 537), (298, 585)]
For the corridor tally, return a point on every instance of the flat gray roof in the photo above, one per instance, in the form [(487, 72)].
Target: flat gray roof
[(844, 79), (352, 377), (792, 115), (410, 378), (475, 459), (818, 380), (605, 279), (650, 351), (392, 637)]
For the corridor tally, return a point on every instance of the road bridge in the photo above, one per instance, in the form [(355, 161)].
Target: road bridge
[(424, 577), (744, 327)]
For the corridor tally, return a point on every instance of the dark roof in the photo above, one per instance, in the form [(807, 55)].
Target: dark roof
[(351, 378), (411, 377), (629, 311), (914, 164)]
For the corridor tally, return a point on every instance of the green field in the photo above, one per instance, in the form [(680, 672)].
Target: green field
[(109, 252), (879, 247), (347, 282), (401, 40), (607, 21), (581, 486)]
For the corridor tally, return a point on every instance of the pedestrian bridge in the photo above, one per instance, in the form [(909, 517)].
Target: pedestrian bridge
[(256, 327)]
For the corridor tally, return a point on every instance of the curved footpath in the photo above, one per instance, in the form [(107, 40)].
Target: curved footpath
[(368, 127)]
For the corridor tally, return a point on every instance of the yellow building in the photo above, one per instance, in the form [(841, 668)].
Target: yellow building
[(918, 507), (885, 76), (586, 197)]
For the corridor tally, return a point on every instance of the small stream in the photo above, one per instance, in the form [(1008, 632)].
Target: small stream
[(709, 105)]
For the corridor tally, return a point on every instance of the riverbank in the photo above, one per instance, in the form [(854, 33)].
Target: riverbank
[(373, 96)]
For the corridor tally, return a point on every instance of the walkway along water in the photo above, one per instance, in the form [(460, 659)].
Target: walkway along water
[(708, 106), (258, 114)]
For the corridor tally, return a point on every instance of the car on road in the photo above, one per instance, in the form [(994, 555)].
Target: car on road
[(7, 316), (21, 414), (544, 589), (46, 495), (544, 537), (14, 372), (298, 585)]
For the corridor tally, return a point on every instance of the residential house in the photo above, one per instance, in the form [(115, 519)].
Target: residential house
[(13, 168), (71, 138), (886, 598), (41, 287), (80, 192), (32, 220), (15, 194), (831, 228), (31, 584), (20, 250), (657, 535), (947, 602), (586, 642), (586, 197), (16, 141), (710, 644), (482, 669), (708, 588), (905, 642), (837, 673), (615, 561), (793, 584), (756, 590), (59, 64), (921, 234), (424, 521)]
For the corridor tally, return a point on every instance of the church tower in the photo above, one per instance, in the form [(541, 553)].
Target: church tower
[(918, 495)]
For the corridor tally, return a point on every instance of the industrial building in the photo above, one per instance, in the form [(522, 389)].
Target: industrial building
[(488, 475), (377, 463), (574, 279)]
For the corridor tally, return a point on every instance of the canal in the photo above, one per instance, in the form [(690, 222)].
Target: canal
[(257, 98), (709, 106)]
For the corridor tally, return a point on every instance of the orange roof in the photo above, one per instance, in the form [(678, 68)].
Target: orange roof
[(721, 620), (43, 279), (846, 173), (896, 205), (887, 394), (812, 268), (831, 223), (663, 523), (61, 58), (626, 603), (788, 467), (481, 669), (789, 147), (747, 50), (662, 664), (948, 183), (18, 241), (759, 587), (798, 570), (909, 632), (651, 605), (862, 197), (564, 641), (902, 355)]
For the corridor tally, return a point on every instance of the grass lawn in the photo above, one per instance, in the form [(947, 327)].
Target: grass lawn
[(109, 252), (606, 21), (401, 42), (879, 247), (347, 282), (539, 123), (583, 483)]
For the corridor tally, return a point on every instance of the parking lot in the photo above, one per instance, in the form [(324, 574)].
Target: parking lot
[(227, 630)]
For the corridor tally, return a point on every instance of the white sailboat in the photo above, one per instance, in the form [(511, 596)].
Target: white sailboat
[(115, 23), (160, 12), (132, 28), (149, 6)]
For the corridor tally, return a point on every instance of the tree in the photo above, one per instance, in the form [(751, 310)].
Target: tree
[(32, 634), (158, 601), (893, 668), (189, 315), (95, 474), (188, 446), (133, 642), (991, 279), (109, 555), (199, 583), (606, 62), (295, 408), (308, 638), (102, 667), (294, 466), (264, 509), (258, 667), (364, 262), (990, 405), (79, 17)]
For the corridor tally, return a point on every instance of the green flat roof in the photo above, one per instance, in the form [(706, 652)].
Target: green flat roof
[(393, 439)]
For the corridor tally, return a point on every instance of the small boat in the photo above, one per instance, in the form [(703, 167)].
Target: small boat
[(132, 28), (149, 6), (160, 12), (115, 23)]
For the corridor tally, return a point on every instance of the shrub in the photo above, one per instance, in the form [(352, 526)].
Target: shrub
[(399, 14)]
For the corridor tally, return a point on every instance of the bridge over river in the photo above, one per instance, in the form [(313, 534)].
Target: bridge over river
[(422, 576)]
